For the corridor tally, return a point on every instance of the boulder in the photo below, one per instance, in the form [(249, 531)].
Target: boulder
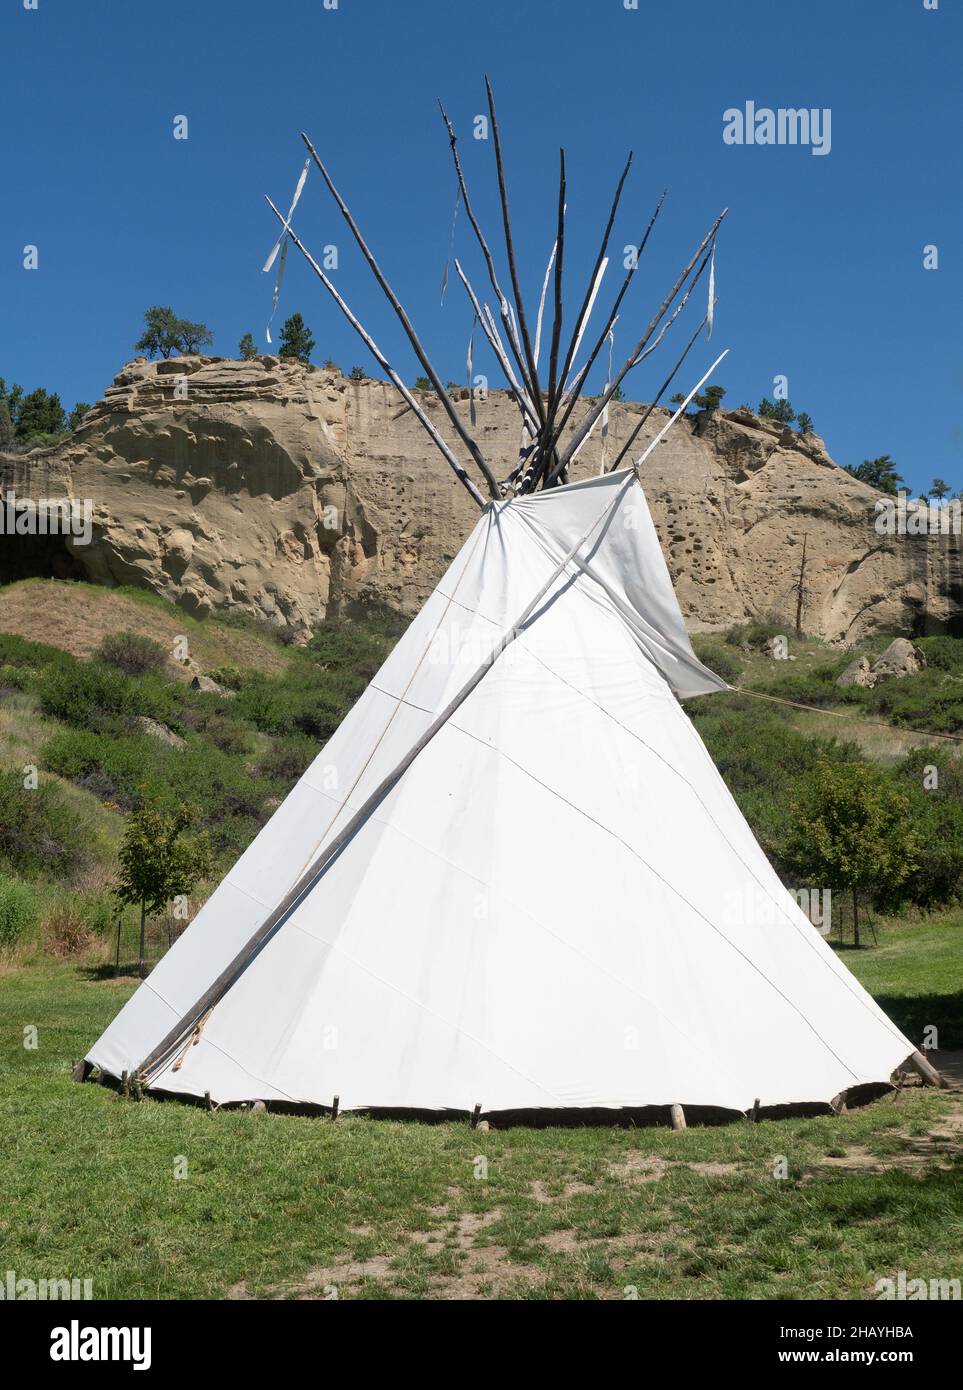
[(211, 687), (857, 673), (899, 659), (159, 731)]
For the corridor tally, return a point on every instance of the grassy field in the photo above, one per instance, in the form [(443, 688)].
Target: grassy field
[(166, 1200), (291, 1207)]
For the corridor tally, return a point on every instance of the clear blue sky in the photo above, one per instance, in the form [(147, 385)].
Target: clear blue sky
[(820, 265)]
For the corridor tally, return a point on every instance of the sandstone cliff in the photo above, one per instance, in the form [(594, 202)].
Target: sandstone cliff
[(289, 493)]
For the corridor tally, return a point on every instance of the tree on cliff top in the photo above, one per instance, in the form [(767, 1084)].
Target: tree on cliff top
[(296, 340), (164, 333)]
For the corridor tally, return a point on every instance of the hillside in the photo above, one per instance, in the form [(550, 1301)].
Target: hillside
[(288, 494)]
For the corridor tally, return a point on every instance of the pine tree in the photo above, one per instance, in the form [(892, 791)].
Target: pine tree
[(246, 347), (77, 414), (879, 473), (6, 424), (296, 340), (40, 414)]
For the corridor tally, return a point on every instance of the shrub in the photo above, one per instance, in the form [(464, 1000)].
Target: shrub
[(66, 931), (287, 759), (943, 653), (98, 697), (228, 676), (83, 694), (39, 830), (723, 663), (754, 634), (19, 911), (132, 653)]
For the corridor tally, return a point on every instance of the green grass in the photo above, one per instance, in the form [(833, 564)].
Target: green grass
[(286, 1206), (916, 973)]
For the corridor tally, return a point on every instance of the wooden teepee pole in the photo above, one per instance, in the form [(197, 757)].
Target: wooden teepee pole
[(572, 394), (406, 324), (506, 317), (510, 252), (636, 354), (460, 472)]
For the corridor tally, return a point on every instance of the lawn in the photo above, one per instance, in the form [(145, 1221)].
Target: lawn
[(286, 1206)]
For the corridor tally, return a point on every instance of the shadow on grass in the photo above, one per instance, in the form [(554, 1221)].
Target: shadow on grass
[(914, 1013)]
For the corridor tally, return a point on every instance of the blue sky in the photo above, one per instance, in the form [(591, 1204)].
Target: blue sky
[(820, 265)]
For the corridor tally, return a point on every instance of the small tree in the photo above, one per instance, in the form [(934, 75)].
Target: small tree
[(939, 489), (850, 832), (677, 399), (423, 384), (296, 340), (776, 410), (804, 423), (193, 336), (617, 395), (161, 335), (357, 373), (77, 415), (247, 348), (158, 862)]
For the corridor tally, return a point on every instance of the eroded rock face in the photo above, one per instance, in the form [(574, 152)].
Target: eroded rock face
[(290, 493)]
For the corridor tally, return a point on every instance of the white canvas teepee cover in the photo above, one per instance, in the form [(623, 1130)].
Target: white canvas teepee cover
[(558, 905)]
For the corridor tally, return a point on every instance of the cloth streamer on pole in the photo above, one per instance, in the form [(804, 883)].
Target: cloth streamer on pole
[(282, 245)]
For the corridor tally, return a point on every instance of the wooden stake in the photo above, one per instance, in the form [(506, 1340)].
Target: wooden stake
[(926, 1069), (475, 1114), (754, 1117), (335, 1104), (677, 1115), (125, 1083), (207, 1100)]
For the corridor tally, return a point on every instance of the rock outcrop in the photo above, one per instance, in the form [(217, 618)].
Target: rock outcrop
[(289, 493)]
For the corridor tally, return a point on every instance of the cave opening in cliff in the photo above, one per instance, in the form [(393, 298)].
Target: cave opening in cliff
[(38, 557)]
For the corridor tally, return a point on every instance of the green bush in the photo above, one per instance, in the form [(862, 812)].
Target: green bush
[(39, 830), (724, 663), (19, 911), (754, 634), (937, 816), (943, 653), (132, 653), (95, 696)]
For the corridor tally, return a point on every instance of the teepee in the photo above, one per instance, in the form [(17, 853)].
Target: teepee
[(514, 879)]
